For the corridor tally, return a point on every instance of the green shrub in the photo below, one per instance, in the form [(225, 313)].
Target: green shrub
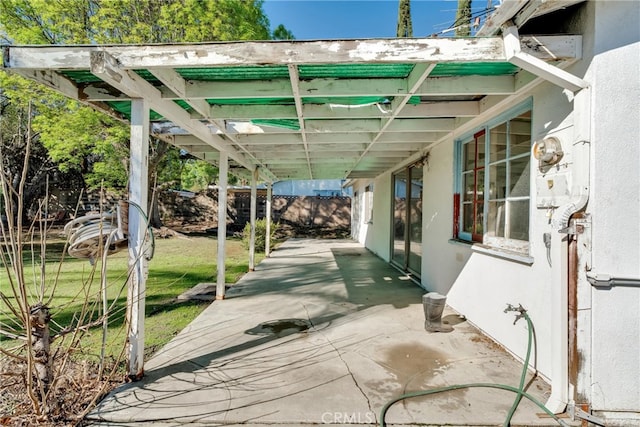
[(261, 233)]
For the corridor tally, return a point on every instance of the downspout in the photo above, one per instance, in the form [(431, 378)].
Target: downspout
[(580, 173)]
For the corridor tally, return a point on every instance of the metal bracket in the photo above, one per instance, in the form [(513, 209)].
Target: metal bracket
[(576, 412)]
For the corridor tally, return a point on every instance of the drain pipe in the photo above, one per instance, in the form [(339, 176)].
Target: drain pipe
[(560, 221)]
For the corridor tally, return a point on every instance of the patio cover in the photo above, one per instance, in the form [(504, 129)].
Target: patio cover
[(311, 109)]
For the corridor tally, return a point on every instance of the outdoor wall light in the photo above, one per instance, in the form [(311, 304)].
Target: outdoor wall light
[(548, 151)]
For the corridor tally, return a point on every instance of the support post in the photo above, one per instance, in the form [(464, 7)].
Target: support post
[(222, 222), (138, 194), (252, 220), (267, 237)]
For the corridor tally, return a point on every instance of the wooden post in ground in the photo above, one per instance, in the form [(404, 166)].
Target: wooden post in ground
[(267, 243), (222, 222), (138, 195), (252, 219)]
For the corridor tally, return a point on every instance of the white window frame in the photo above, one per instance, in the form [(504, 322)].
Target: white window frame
[(488, 240)]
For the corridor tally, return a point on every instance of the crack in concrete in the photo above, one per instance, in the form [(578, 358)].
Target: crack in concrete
[(343, 362)]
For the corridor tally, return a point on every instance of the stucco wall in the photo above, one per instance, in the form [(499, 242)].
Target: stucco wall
[(374, 235), (479, 285), (616, 205)]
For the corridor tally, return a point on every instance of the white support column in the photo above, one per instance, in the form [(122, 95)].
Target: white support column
[(222, 222), (252, 220), (267, 243), (138, 194)]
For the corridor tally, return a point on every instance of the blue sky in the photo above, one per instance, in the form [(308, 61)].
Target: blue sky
[(348, 19)]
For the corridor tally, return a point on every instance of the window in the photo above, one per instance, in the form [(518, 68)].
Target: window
[(407, 218), (492, 204)]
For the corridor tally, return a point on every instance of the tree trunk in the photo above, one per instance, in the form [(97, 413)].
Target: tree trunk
[(158, 151), (41, 346), (154, 210), (463, 19), (404, 27)]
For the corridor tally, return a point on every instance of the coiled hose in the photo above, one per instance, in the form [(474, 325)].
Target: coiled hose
[(106, 234), (87, 234), (520, 393)]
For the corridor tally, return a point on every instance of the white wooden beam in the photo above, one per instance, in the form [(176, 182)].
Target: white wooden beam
[(300, 162), (434, 86), (481, 49), (223, 183), (555, 75), (505, 12), (313, 148), (67, 88), (174, 81), (137, 232), (294, 78), (541, 7), (427, 134), (106, 67), (324, 111)]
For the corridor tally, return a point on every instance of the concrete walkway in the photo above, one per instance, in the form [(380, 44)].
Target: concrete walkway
[(323, 332)]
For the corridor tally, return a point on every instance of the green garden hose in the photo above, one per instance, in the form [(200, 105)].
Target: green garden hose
[(520, 393)]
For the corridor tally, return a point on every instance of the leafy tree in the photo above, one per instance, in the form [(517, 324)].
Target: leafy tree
[(16, 112), (281, 33), (463, 19), (82, 139), (404, 28), (198, 176)]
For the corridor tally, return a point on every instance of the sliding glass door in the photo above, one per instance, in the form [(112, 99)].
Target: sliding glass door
[(400, 218), (407, 219)]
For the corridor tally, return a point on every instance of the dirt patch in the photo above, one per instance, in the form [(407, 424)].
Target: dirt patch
[(297, 217), (74, 392), (488, 342)]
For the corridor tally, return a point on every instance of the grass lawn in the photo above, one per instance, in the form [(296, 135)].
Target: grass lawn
[(178, 264)]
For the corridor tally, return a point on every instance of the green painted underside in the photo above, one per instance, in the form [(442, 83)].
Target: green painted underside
[(283, 123), (474, 69), (334, 71), (124, 108)]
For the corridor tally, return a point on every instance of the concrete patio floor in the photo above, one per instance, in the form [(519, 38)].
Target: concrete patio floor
[(323, 332)]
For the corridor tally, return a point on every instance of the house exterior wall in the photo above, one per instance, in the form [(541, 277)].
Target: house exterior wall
[(480, 285), (375, 234), (605, 119), (615, 205)]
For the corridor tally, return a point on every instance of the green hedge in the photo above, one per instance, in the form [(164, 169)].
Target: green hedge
[(261, 233)]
